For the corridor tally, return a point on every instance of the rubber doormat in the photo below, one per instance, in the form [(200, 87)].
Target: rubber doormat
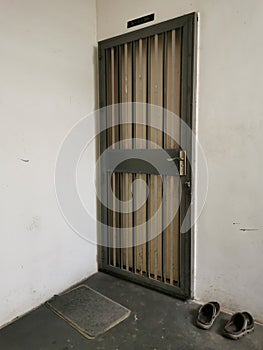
[(88, 311)]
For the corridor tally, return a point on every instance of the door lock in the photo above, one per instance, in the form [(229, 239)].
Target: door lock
[(182, 162)]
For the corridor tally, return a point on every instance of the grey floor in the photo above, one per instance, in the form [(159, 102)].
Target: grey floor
[(157, 321)]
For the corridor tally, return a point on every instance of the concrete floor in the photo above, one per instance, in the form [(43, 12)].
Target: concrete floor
[(157, 322)]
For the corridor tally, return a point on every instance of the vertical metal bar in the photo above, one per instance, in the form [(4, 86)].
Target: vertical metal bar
[(126, 146), (164, 240), (108, 250), (148, 91), (127, 221), (148, 88), (120, 89), (140, 146), (113, 95), (134, 250), (120, 143), (164, 178), (113, 140), (109, 223), (172, 190), (156, 63), (133, 146), (140, 77), (114, 176), (173, 73), (172, 180), (133, 93), (156, 228)]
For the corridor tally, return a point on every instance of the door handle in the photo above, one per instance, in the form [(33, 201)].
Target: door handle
[(175, 158), (182, 162)]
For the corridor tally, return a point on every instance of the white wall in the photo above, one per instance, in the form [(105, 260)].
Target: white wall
[(47, 84), (229, 260)]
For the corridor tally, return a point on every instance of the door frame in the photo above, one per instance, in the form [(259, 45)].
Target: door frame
[(188, 24)]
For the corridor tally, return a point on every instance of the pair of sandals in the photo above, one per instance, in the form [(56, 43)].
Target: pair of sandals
[(239, 325)]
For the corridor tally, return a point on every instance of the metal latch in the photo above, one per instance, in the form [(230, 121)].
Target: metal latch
[(182, 162)]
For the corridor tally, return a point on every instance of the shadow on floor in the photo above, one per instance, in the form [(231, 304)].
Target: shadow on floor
[(157, 322)]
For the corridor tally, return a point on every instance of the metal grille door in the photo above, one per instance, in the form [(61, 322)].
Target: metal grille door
[(145, 77)]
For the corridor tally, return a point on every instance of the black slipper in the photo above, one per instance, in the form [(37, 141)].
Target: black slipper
[(207, 315), (250, 321), (239, 325)]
